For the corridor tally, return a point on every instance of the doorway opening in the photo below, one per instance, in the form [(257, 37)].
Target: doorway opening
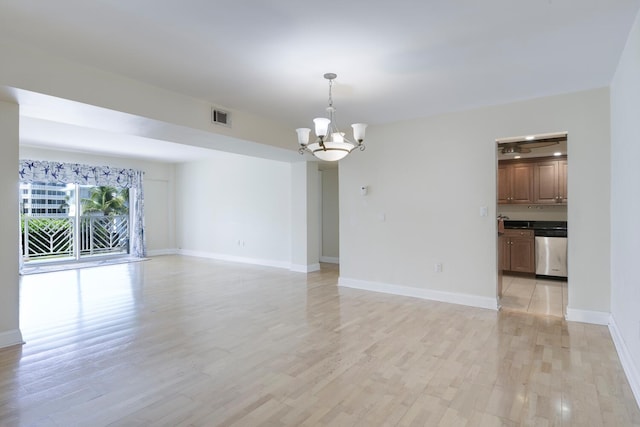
[(531, 205), (329, 213)]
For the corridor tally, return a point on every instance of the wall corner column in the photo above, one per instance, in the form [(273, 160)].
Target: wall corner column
[(9, 284), (305, 217)]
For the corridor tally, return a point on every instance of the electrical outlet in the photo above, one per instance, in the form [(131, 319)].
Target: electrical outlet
[(437, 267)]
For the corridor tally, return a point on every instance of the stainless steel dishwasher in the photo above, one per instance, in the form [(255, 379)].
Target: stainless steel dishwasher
[(551, 249)]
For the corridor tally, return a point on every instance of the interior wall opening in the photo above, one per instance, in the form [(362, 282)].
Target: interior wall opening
[(532, 204), (330, 214)]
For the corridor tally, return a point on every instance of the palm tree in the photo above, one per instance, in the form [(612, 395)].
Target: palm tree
[(106, 200)]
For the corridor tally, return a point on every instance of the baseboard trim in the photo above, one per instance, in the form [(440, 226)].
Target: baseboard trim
[(160, 252), (301, 268), (625, 359), (330, 259), (233, 258), (427, 294), (588, 316), (9, 338)]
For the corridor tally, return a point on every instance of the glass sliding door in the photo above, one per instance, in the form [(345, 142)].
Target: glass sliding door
[(104, 221), (67, 222), (47, 221)]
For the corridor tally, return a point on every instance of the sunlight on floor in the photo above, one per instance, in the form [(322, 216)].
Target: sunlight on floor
[(74, 296)]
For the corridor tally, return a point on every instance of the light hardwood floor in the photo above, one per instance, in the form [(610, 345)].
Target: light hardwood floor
[(177, 341)]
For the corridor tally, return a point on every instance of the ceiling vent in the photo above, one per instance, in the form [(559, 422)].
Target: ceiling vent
[(220, 117)]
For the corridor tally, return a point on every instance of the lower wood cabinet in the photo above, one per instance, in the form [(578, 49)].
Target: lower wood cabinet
[(517, 251)]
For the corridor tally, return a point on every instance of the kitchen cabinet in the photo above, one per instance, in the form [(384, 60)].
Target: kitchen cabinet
[(532, 181), (517, 251), (515, 183), (504, 251), (550, 182)]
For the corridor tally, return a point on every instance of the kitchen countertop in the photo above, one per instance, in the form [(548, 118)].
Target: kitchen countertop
[(535, 225)]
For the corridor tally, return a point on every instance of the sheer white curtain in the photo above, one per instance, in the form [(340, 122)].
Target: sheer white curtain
[(75, 173)]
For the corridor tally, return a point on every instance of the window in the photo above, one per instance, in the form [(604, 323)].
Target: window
[(70, 221)]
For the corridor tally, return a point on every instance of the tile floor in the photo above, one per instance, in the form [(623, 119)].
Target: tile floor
[(532, 295)]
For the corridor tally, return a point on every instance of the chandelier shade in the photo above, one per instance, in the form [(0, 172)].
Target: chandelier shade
[(330, 144), (321, 125)]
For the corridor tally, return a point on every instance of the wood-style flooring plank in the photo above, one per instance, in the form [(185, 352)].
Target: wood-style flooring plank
[(179, 341)]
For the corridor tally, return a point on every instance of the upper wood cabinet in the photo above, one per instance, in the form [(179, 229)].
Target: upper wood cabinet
[(562, 181), (532, 181), (515, 183), (550, 182)]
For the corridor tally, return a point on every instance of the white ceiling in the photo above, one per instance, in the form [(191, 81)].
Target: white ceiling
[(394, 60)]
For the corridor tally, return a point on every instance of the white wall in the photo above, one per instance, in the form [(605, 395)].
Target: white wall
[(313, 199), (625, 208), (330, 215), (235, 207), (159, 217), (299, 217), (158, 187), (428, 179), (305, 217), (9, 329)]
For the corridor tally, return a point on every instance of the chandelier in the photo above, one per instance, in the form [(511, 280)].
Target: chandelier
[(331, 144)]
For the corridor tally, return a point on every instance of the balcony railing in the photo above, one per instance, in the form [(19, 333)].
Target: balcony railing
[(57, 237)]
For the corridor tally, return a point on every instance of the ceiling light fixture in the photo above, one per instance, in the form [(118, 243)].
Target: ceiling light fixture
[(513, 150), (523, 147), (331, 144)]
